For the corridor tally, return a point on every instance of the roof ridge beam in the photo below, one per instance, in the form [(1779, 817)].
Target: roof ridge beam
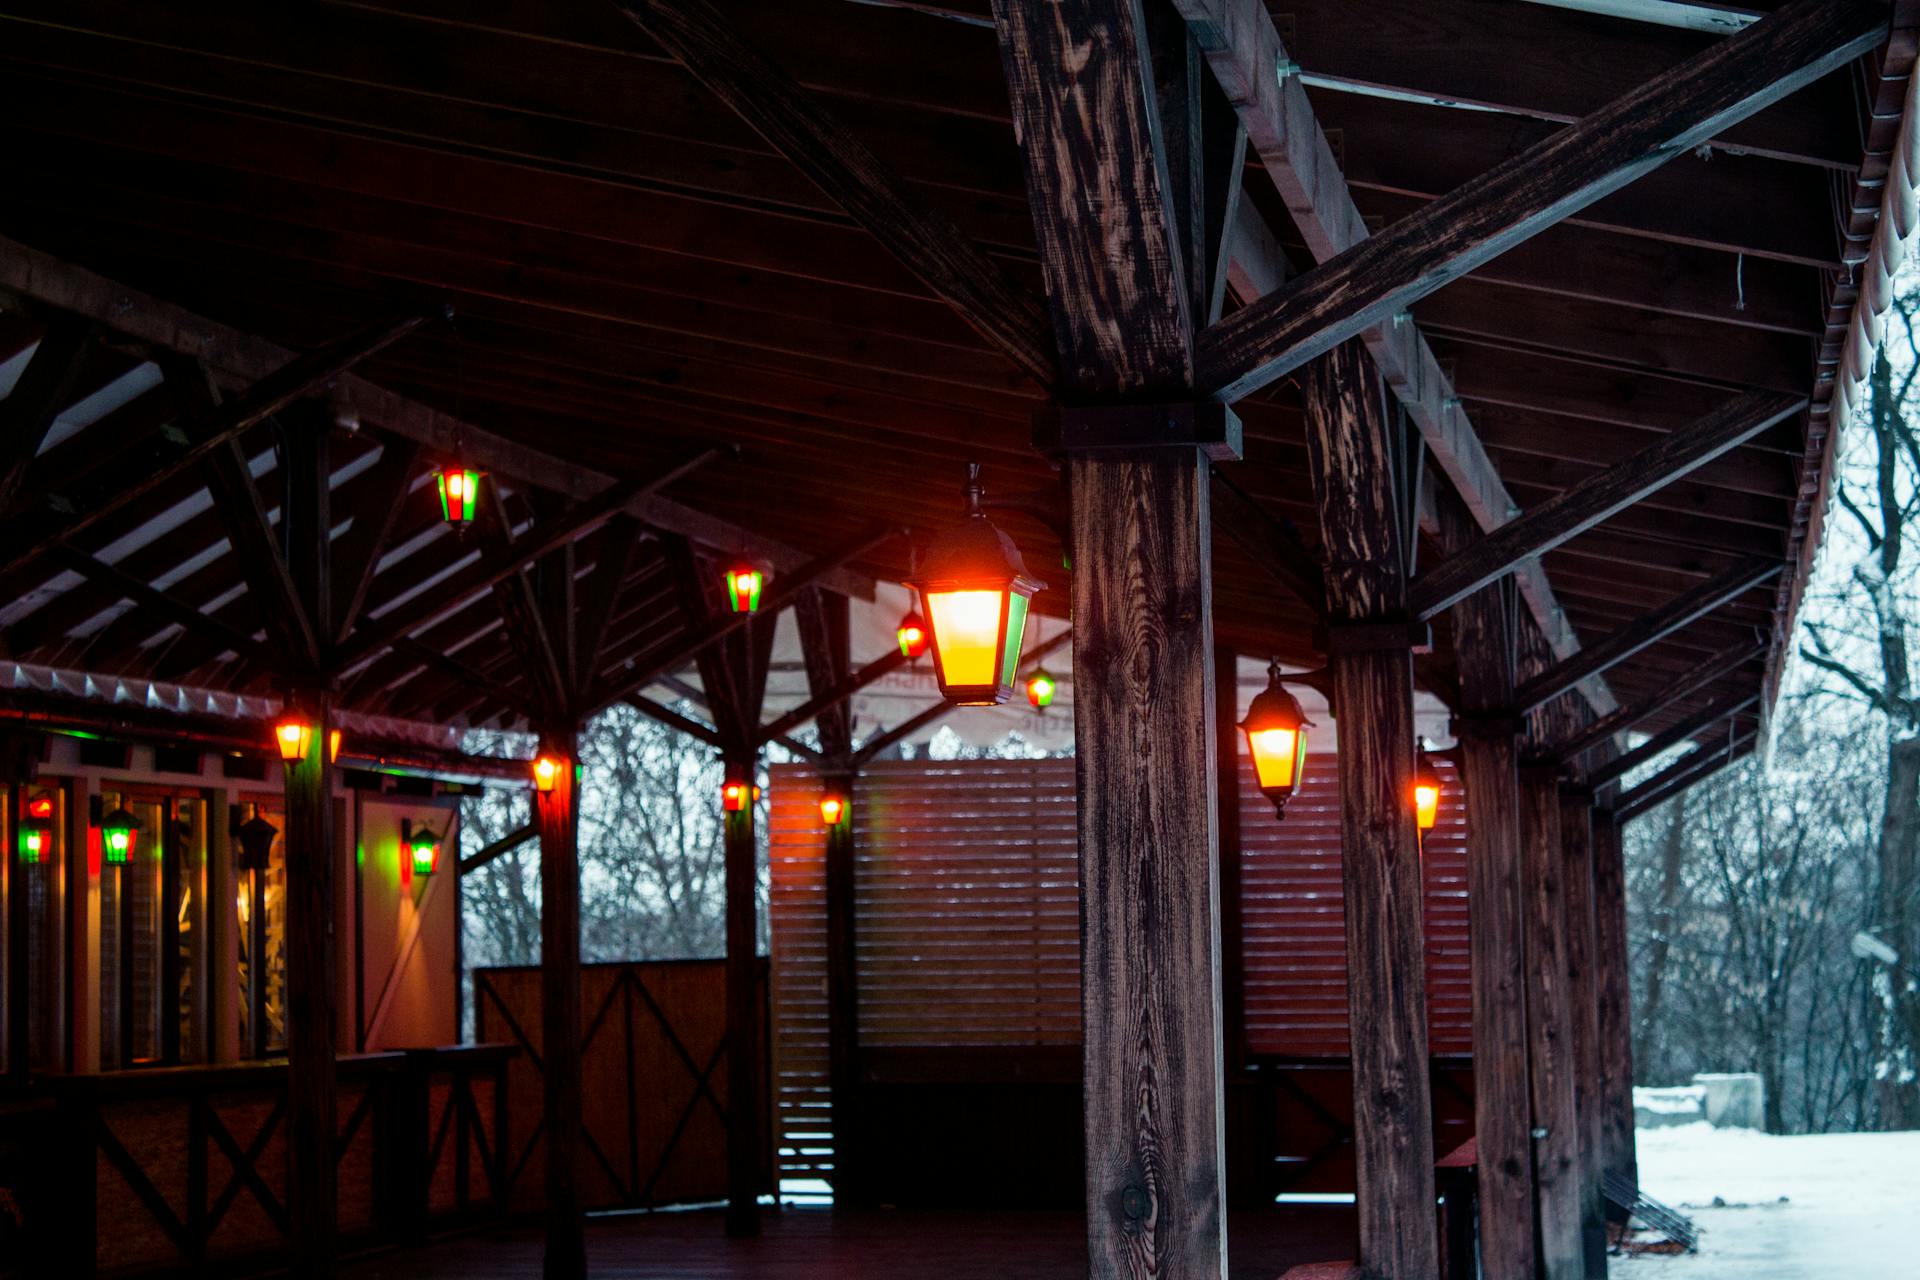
[(1367, 284)]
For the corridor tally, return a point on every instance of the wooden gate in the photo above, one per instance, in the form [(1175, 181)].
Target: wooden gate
[(653, 1054)]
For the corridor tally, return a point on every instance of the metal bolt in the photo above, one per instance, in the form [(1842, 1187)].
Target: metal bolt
[(1286, 67)]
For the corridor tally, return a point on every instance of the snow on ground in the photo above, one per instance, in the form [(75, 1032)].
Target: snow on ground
[(1796, 1208)]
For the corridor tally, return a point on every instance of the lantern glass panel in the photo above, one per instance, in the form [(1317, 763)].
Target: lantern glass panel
[(458, 491), (1426, 805), (1016, 637), (294, 737), (1278, 756), (966, 636)]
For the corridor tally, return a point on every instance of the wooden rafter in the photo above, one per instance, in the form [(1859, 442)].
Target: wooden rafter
[(175, 610), (1573, 511), (1690, 727), (801, 129), (358, 551), (618, 542), (1243, 47), (1646, 630), (940, 710), (1689, 682), (833, 695), (1369, 283), (43, 389), (786, 589), (262, 563), (674, 720), (824, 622), (527, 624), (1689, 771)]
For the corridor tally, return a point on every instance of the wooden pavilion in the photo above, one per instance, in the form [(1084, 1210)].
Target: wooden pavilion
[(1505, 342)]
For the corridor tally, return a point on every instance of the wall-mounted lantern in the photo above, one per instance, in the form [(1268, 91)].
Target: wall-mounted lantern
[(1276, 730), (421, 846), (834, 808), (1426, 791)]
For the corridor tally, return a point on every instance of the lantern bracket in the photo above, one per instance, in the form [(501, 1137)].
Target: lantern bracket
[(1319, 679), (1375, 637), (1206, 425)]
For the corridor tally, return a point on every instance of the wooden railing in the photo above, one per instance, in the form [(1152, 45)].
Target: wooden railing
[(185, 1168)]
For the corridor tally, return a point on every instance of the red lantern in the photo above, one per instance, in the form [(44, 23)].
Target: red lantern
[(833, 809), (459, 492), (912, 635), (1040, 689), (735, 796), (743, 587)]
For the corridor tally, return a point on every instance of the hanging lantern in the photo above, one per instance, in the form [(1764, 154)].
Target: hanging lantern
[(976, 589), (1426, 791), (333, 745), (294, 733), (912, 634), (36, 841), (40, 807), (546, 771), (743, 587), (421, 845), (118, 831), (1276, 730), (1040, 689), (833, 808), (256, 836), (735, 796), (459, 492)]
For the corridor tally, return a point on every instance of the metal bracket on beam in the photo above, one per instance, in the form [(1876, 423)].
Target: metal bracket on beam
[(1209, 426)]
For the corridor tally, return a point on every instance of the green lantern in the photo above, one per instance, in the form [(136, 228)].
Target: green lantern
[(119, 830)]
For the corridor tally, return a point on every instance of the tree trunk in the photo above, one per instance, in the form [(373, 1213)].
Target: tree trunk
[(1673, 852), (1897, 913)]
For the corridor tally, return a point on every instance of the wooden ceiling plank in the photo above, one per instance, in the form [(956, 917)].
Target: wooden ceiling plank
[(1573, 511), (1649, 628), (1687, 105), (797, 125)]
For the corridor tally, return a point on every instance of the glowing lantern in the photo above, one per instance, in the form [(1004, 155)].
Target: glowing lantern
[(40, 807), (118, 831), (35, 842), (1040, 689), (546, 771), (294, 733), (1276, 730), (333, 745), (976, 589), (459, 491), (743, 587), (735, 796), (833, 808), (912, 634), (1426, 792), (422, 847)]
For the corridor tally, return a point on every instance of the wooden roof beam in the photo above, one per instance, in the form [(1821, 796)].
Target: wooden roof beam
[(175, 610), (44, 388), (833, 696), (1668, 738), (1368, 284), (1647, 630), (1573, 511), (786, 590), (1243, 48), (164, 326), (1689, 682), (939, 710), (1689, 771), (804, 131), (505, 561)]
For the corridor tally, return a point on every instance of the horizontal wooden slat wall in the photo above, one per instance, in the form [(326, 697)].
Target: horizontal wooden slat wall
[(1295, 921), (967, 922)]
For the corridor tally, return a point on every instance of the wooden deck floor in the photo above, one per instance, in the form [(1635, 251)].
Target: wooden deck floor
[(814, 1244)]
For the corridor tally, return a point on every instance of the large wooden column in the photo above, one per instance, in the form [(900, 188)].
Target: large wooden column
[(311, 1112), (1483, 645), (1233, 961), (311, 949), (1576, 837), (1150, 989), (1556, 1136), (1357, 483), (1615, 1000), (556, 820)]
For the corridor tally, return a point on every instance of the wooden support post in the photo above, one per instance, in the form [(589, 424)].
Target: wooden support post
[(222, 946), (1358, 486), (1576, 839), (1615, 1001), (83, 933), (1556, 1143), (1483, 641), (311, 1119), (1144, 719), (556, 818), (310, 947), (1233, 960), (743, 1022), (843, 1000)]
